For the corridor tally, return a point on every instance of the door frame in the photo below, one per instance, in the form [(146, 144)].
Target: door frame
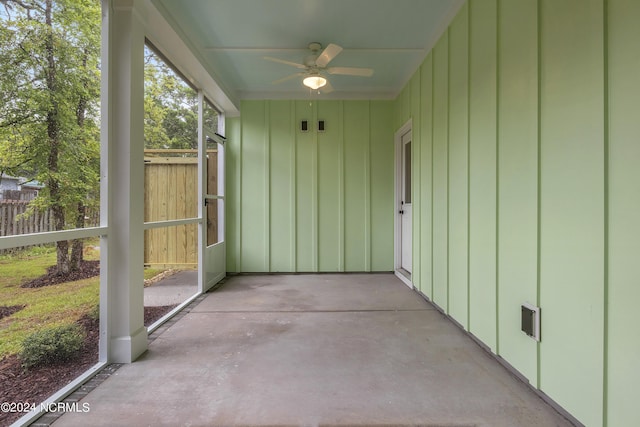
[(397, 198), (211, 259)]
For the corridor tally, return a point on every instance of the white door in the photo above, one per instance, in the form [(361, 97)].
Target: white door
[(214, 261), (405, 203)]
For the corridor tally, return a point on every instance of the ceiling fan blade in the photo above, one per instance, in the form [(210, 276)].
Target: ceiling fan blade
[(327, 88), (351, 71), (284, 79), (328, 54), (282, 61)]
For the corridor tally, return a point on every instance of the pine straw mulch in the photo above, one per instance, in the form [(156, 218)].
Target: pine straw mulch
[(8, 310), (86, 270), (35, 385)]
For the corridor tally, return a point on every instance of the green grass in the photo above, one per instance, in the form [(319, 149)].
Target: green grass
[(150, 273), (48, 306)]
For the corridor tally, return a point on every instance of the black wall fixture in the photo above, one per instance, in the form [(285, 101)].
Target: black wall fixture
[(530, 320)]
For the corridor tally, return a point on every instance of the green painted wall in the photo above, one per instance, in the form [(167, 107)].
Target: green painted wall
[(572, 159), (416, 250), (305, 210), (310, 201), (526, 189), (529, 190), (440, 173), (458, 168), (483, 172), (622, 192), (424, 221), (232, 193), (381, 175), (517, 172)]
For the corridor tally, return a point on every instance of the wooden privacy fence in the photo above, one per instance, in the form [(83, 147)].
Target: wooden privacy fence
[(13, 221), (19, 195), (171, 192)]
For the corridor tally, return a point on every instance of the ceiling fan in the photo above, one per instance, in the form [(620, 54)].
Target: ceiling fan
[(315, 67)]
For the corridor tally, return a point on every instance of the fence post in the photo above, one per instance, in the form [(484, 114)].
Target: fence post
[(3, 218)]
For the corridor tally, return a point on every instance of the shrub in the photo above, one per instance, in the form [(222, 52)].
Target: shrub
[(51, 345)]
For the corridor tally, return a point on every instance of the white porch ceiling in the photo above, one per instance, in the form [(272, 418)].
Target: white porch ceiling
[(231, 37)]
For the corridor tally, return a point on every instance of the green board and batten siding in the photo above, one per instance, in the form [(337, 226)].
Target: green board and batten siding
[(622, 187), (440, 173), (458, 167), (530, 190), (526, 189), (517, 167), (482, 173), (312, 201), (425, 240), (572, 246)]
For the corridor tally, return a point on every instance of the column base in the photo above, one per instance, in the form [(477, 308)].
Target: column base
[(128, 348)]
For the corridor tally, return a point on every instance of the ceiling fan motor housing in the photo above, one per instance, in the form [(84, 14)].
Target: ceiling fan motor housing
[(315, 47), (310, 60), (314, 67)]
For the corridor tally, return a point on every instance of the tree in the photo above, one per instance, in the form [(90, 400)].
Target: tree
[(49, 118), (49, 82), (170, 107)]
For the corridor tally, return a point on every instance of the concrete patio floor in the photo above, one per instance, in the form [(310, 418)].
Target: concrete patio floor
[(173, 289), (314, 350)]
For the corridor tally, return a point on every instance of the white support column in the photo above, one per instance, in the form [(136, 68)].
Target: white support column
[(202, 190), (122, 298)]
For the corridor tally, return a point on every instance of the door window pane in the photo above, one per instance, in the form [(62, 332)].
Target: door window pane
[(407, 172), (212, 189)]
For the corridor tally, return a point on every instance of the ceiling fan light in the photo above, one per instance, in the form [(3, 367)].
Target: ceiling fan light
[(314, 82)]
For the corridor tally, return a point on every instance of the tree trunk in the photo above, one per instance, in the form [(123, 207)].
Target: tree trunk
[(53, 136), (81, 109), (77, 245), (62, 257)]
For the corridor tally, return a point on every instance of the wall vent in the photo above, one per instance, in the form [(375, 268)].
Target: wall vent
[(304, 126), (530, 320), (320, 125)]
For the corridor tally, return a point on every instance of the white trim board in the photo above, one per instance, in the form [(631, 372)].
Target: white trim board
[(397, 223)]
